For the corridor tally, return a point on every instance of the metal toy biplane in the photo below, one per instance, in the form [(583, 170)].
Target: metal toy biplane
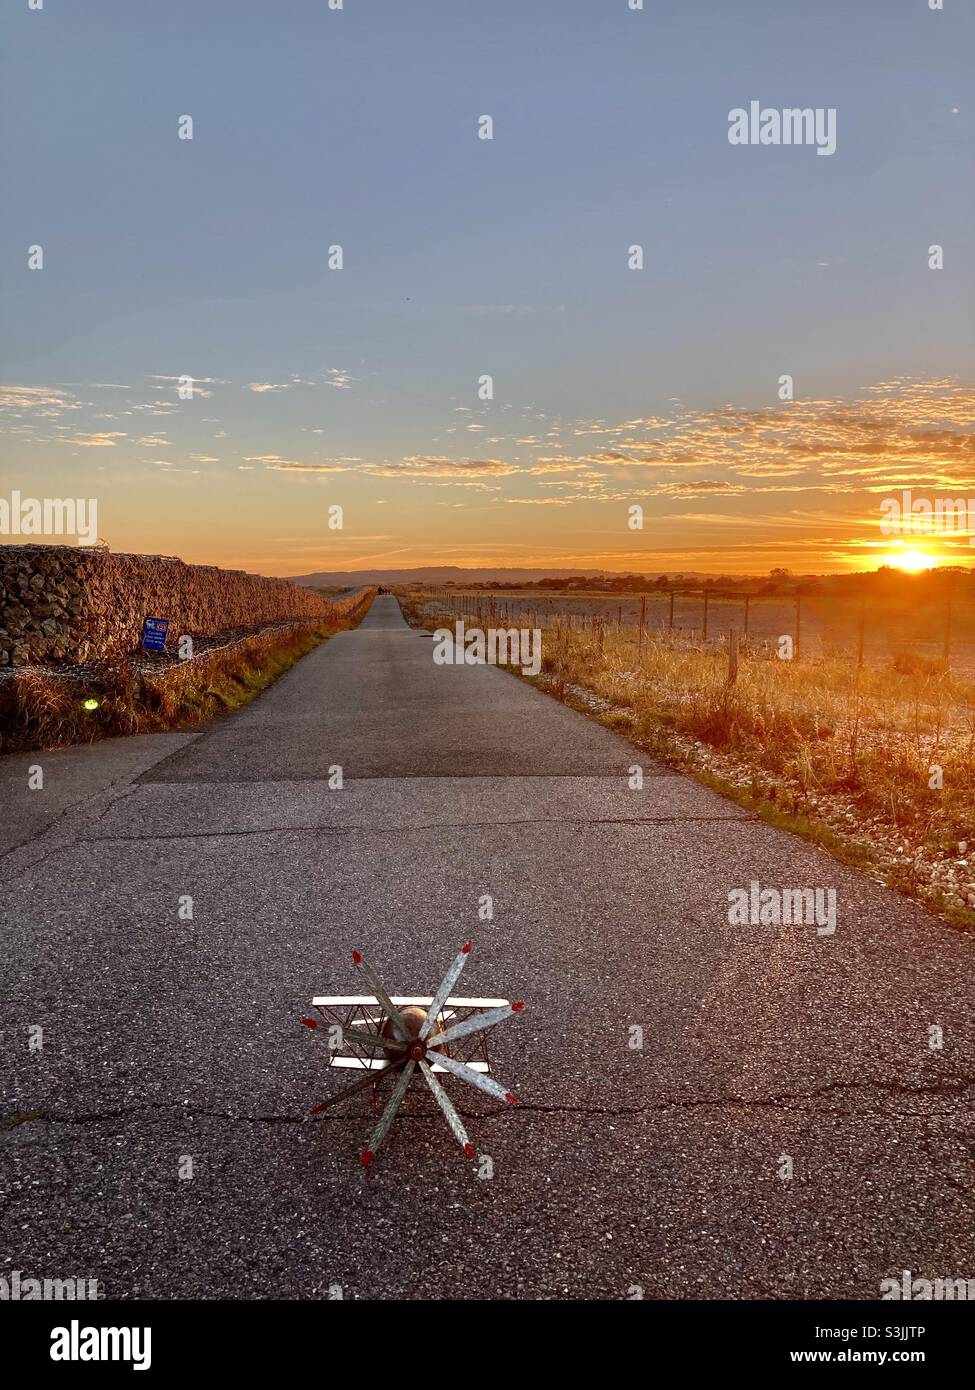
[(390, 1037)]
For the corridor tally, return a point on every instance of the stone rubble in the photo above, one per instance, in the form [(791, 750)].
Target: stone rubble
[(72, 604)]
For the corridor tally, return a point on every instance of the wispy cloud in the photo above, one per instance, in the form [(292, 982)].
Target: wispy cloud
[(431, 466), (904, 428), (93, 441), (276, 464), (339, 378), (39, 400), (539, 501)]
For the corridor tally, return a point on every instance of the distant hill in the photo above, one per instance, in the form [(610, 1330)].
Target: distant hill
[(885, 580), (435, 574)]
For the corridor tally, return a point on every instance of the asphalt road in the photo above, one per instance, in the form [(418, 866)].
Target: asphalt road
[(623, 1168)]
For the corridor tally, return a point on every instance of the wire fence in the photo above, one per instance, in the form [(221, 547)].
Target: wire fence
[(865, 630)]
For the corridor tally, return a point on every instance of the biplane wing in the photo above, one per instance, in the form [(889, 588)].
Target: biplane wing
[(386, 1036), (357, 1014)]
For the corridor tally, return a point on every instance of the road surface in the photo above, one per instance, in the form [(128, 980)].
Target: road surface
[(174, 1045)]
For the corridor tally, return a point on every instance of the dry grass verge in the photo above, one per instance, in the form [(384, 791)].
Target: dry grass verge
[(39, 710), (842, 756)]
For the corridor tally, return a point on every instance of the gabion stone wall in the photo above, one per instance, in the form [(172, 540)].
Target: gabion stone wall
[(72, 604)]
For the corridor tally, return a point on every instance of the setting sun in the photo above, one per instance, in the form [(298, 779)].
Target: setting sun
[(911, 560)]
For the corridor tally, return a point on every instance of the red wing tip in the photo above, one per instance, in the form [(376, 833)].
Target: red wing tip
[(309, 1023), (367, 1158), (511, 1098), (468, 947), (517, 1008), (469, 1150), (317, 1109), (357, 958)]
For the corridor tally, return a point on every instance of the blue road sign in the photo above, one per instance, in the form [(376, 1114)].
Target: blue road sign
[(154, 632)]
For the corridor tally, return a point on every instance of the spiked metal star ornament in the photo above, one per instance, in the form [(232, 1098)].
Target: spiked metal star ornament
[(392, 1037)]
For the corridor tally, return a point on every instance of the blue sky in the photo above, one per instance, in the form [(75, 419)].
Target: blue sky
[(462, 257)]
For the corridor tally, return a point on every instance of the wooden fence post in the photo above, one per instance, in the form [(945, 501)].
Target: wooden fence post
[(643, 615), (706, 596), (732, 656)]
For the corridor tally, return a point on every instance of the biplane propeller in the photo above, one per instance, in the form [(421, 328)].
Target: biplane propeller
[(394, 1037)]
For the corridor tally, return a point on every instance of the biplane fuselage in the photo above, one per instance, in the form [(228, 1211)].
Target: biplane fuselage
[(364, 1011)]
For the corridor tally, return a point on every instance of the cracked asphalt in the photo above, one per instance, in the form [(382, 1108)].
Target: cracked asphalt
[(172, 1044)]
